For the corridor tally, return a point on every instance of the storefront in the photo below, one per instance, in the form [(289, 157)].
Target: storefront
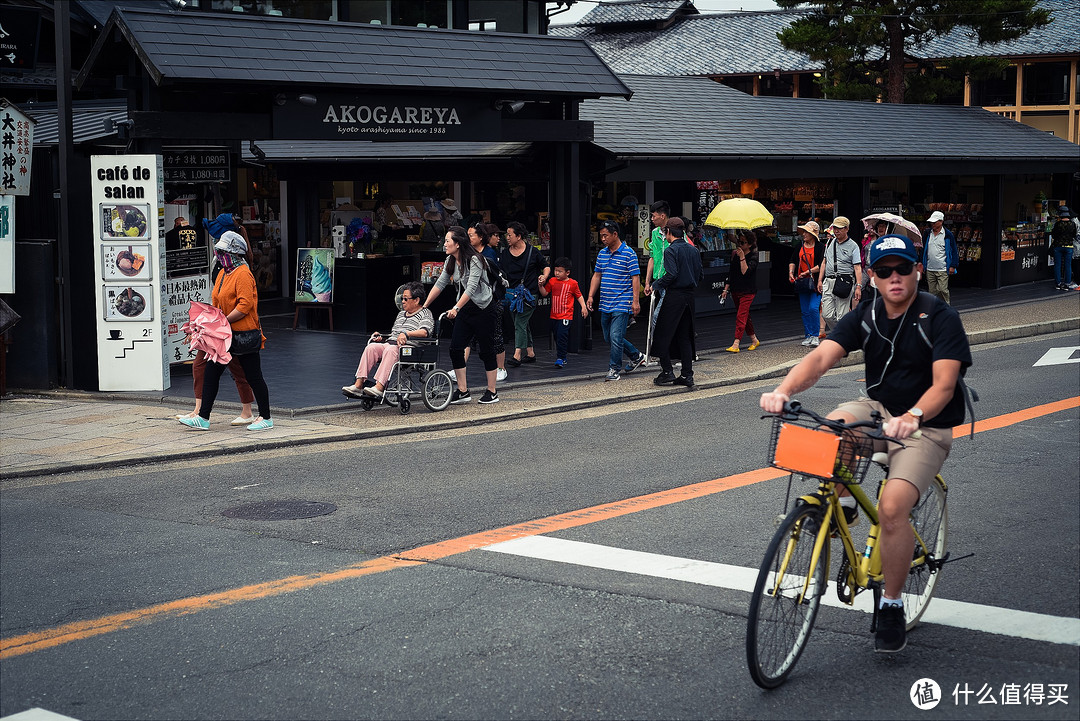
[(494, 122), (805, 161)]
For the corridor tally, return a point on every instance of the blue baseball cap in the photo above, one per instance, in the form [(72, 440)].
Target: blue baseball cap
[(898, 245)]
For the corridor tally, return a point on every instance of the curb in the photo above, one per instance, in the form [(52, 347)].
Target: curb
[(976, 338)]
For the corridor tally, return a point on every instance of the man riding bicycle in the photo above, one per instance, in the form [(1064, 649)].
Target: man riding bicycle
[(915, 350)]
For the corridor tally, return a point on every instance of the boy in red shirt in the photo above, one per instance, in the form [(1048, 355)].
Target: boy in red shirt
[(563, 290)]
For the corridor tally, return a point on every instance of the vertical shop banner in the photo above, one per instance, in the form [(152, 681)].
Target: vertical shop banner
[(16, 149), (177, 294), (314, 275), (7, 243), (128, 211)]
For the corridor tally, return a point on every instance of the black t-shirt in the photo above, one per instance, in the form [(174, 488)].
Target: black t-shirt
[(930, 331), (183, 237), (515, 269), (744, 282)]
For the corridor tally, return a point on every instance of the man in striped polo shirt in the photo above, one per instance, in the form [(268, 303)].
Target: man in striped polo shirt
[(617, 279)]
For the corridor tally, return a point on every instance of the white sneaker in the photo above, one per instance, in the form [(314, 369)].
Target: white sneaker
[(806, 340), (815, 341), (1073, 286), (500, 374)]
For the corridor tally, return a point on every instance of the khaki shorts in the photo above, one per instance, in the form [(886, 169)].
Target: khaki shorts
[(920, 459)]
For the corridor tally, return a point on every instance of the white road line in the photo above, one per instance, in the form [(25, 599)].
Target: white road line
[(959, 614), (1058, 356)]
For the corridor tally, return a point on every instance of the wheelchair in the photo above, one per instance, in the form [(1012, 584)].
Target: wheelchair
[(416, 375)]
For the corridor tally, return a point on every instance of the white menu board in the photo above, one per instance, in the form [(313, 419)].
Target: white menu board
[(127, 193)]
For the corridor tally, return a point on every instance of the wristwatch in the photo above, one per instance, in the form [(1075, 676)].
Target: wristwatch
[(915, 413)]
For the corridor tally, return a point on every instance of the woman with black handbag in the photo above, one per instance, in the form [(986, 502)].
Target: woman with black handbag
[(802, 271), (236, 295)]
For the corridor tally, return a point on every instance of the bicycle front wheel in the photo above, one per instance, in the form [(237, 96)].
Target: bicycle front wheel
[(786, 597), (930, 519)]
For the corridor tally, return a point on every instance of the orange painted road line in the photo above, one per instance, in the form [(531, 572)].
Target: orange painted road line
[(78, 630), (585, 516), (29, 642), (1011, 419)]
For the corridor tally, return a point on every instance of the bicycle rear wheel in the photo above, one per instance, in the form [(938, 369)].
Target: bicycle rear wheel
[(930, 519), (785, 602)]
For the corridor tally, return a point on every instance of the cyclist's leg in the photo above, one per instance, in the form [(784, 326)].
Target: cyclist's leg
[(916, 463), (897, 541)]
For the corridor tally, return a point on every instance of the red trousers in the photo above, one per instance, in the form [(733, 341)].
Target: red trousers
[(743, 324), (198, 373)]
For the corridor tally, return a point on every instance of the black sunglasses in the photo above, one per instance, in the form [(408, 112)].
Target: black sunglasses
[(884, 271)]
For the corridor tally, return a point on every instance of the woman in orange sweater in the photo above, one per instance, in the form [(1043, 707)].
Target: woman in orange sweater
[(236, 295)]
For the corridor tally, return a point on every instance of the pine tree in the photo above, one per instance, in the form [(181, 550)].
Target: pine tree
[(868, 45)]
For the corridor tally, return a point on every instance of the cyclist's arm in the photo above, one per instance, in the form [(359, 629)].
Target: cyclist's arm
[(804, 375), (932, 402)]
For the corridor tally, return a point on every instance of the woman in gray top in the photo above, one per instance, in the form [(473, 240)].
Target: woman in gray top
[(473, 312)]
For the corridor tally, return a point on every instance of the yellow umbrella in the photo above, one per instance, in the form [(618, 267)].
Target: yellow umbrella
[(739, 213)]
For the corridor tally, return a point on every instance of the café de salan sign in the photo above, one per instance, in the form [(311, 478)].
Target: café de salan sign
[(366, 117)]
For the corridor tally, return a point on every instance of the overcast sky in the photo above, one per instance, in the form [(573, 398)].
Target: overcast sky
[(579, 8)]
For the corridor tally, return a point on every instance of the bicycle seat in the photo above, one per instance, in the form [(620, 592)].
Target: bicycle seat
[(881, 458)]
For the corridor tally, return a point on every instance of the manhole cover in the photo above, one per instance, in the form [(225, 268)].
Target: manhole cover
[(279, 510)]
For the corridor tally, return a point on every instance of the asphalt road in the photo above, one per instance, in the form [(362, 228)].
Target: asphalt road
[(129, 595)]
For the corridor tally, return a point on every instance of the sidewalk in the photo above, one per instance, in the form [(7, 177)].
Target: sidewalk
[(63, 431)]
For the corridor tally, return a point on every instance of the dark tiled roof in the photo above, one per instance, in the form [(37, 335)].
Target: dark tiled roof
[(633, 11), (1060, 37), (737, 43), (714, 44), (236, 48), (351, 151), (100, 10), (724, 123), (88, 121)]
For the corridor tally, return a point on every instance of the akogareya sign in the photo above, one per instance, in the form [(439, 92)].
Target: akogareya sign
[(387, 118)]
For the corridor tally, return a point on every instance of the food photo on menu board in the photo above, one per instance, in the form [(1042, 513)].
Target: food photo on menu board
[(314, 275), (128, 303), (120, 261), (125, 221)]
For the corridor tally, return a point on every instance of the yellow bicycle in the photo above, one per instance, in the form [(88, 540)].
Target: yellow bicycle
[(793, 578)]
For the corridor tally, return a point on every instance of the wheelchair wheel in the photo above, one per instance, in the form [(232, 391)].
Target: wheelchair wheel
[(404, 406), (367, 403), (437, 390)]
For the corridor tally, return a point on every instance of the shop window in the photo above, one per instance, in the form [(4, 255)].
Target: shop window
[(807, 87), (306, 9), (419, 13), (409, 13), (999, 89), (504, 16), (779, 87), (1046, 84), (742, 84)]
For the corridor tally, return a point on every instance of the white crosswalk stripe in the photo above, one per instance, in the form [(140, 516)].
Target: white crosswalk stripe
[(959, 614)]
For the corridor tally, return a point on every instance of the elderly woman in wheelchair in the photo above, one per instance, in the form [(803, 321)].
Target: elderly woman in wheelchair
[(414, 322)]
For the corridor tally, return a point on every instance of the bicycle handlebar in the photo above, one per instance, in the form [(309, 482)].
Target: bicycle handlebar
[(793, 409)]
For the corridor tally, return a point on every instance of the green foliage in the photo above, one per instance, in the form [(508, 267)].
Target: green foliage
[(863, 43)]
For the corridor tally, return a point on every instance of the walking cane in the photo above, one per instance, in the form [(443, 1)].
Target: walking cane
[(649, 331)]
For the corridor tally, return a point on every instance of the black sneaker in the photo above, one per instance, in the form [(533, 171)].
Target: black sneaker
[(635, 364), (664, 378), (529, 359), (459, 397), (687, 381), (851, 515), (513, 362), (490, 397), (891, 633)]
